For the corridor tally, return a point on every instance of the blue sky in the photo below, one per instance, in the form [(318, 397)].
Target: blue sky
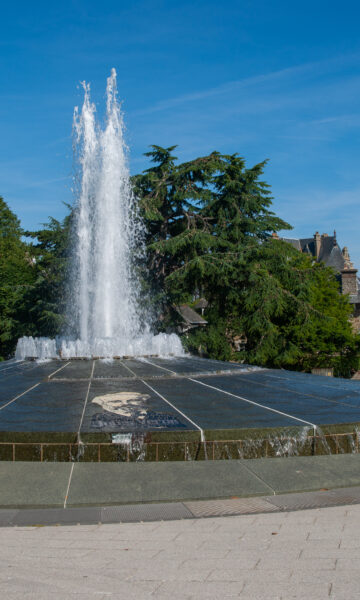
[(275, 80)]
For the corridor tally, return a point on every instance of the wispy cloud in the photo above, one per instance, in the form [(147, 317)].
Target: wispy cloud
[(45, 182), (58, 141), (232, 86), (305, 138), (323, 210), (352, 120), (319, 208)]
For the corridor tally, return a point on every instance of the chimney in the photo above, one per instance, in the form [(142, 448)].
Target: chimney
[(349, 284), (317, 238), (346, 256)]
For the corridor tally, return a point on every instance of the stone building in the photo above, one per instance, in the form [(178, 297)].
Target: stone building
[(325, 248)]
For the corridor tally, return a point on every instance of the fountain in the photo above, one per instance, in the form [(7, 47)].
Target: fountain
[(134, 407), (105, 314)]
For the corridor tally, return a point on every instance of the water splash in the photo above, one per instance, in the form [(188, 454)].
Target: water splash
[(105, 311)]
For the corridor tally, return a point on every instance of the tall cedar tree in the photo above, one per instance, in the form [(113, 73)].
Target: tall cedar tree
[(210, 225)]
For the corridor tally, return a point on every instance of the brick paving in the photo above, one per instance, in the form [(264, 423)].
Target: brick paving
[(312, 554)]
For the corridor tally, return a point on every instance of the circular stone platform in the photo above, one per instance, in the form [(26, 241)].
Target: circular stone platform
[(155, 409)]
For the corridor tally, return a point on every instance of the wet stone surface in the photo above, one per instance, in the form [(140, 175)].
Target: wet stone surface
[(257, 412)]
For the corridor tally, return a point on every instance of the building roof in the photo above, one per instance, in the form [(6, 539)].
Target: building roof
[(334, 258), (324, 248), (294, 242), (190, 316), (329, 251), (307, 244), (201, 303)]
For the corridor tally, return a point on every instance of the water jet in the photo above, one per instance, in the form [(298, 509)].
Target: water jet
[(106, 314)]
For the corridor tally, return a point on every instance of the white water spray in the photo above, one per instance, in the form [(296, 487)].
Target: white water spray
[(106, 316)]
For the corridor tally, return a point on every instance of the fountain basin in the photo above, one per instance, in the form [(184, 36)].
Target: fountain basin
[(183, 408)]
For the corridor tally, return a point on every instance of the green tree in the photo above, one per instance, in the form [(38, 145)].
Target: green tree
[(170, 199), (293, 314), (16, 277), (46, 299), (210, 227)]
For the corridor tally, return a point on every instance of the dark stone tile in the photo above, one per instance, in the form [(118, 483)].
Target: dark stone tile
[(213, 409), (194, 364), (77, 369), (141, 368), (52, 406), (110, 370), (16, 381), (147, 412)]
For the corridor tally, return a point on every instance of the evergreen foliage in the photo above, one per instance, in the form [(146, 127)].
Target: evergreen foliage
[(32, 279), (209, 234), (46, 299), (210, 226), (16, 276)]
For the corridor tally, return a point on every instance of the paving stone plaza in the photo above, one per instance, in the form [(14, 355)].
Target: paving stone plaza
[(178, 478), (310, 554)]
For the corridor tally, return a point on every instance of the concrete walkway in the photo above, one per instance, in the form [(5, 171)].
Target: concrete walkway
[(313, 554), (34, 484)]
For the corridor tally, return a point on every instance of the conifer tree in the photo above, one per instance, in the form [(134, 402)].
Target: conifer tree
[(46, 299), (16, 277), (210, 226)]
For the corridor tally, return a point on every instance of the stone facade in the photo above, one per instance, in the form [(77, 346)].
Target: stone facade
[(349, 281), (325, 248)]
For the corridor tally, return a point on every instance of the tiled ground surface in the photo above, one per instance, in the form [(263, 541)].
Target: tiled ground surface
[(313, 554), (180, 394)]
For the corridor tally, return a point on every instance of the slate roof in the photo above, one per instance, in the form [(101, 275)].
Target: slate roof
[(201, 303), (330, 251), (334, 258), (307, 244), (190, 316), (294, 242)]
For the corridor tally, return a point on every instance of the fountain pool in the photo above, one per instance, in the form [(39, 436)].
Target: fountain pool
[(181, 408)]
